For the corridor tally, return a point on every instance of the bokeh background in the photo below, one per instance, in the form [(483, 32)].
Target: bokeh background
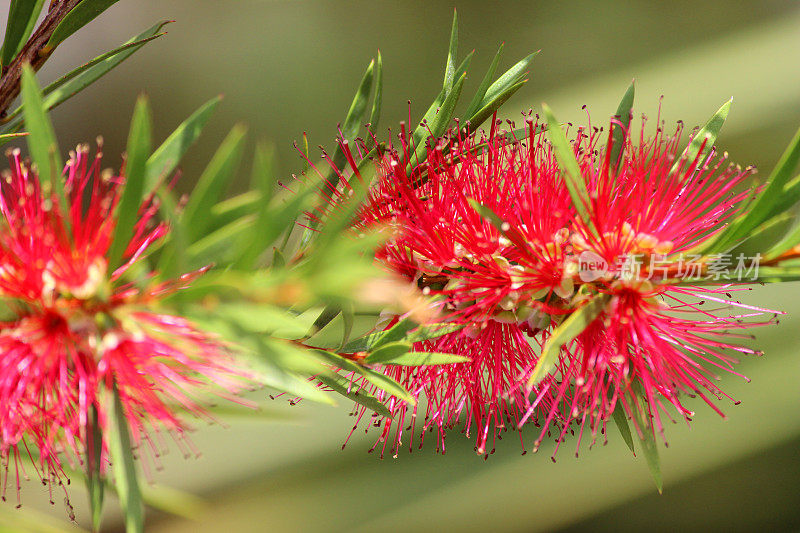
[(286, 67)]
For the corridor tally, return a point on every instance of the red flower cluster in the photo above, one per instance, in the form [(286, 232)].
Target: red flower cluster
[(487, 227), (73, 331)]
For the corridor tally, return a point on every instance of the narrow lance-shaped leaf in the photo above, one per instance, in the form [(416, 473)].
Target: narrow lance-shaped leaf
[(789, 241), (77, 18), (422, 359), (212, 182), (769, 198), (8, 137), (160, 164), (569, 165), (450, 67), (387, 352), (439, 123), (500, 87), (421, 131), (566, 332), (352, 122), (705, 138), (22, 16), (493, 105), (344, 386), (119, 444), (341, 218), (432, 331), (377, 99), (477, 100), (254, 244), (647, 437), (41, 139), (381, 381), (623, 114), (127, 210), (621, 420), (95, 484), (166, 157), (394, 334)]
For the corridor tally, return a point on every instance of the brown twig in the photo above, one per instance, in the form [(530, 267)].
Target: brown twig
[(35, 52)]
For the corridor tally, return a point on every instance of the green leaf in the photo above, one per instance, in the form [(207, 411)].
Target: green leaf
[(211, 184), (22, 17), (493, 105), (647, 438), (771, 197), (75, 81), (452, 52), (95, 485), (621, 419), (254, 244), (119, 444), (477, 100), (394, 334), (80, 15), (41, 139), (569, 165), (167, 156), (432, 331), (789, 241), (500, 91), (618, 130), (388, 385), (8, 137), (564, 333), (381, 381), (420, 359), (234, 208), (341, 218), (215, 247), (352, 123), (127, 210), (263, 318), (387, 352), (705, 138), (438, 124), (358, 107), (341, 385), (375, 114)]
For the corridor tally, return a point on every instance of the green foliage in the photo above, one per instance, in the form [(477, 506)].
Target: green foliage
[(778, 195), (646, 432), (22, 16), (78, 79), (618, 130), (82, 14), (125, 480), (704, 140), (573, 326), (127, 209), (569, 166), (41, 137), (95, 484)]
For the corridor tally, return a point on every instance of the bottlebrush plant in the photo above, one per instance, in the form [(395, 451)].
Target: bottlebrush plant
[(538, 276)]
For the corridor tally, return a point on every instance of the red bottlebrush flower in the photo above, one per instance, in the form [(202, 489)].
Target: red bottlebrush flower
[(488, 227), (655, 342), (501, 284), (77, 330)]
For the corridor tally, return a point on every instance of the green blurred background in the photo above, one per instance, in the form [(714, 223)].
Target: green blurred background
[(291, 66)]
